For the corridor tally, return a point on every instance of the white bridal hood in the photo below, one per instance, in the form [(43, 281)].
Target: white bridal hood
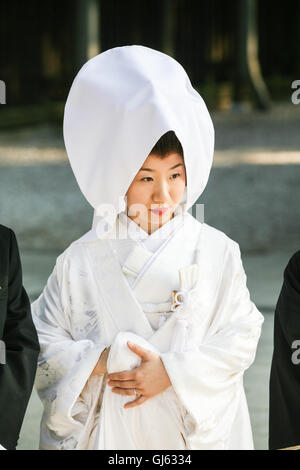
[(120, 103)]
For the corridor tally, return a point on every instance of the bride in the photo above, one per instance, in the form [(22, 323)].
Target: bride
[(145, 325)]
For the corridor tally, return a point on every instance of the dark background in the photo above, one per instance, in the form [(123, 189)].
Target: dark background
[(44, 43)]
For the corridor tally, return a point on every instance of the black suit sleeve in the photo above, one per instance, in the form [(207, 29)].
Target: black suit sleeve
[(284, 411), (22, 349)]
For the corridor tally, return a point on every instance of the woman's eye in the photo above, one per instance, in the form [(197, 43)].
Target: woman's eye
[(148, 178)]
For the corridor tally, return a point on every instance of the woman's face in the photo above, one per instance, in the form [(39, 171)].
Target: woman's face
[(158, 184)]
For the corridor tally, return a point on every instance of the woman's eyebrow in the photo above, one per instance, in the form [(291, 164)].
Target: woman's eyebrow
[(149, 169)]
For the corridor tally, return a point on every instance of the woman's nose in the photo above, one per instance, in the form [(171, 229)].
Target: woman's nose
[(161, 193)]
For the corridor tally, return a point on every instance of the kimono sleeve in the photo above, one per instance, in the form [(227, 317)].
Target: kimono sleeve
[(284, 429), (208, 379), (64, 367), (21, 353)]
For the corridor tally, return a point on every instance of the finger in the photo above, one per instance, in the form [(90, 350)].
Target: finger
[(122, 384), (125, 375), (142, 352), (124, 391), (136, 402)]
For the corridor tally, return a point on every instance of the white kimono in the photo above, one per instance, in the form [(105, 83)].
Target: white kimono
[(106, 291)]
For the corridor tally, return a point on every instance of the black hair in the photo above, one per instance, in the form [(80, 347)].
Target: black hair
[(168, 143)]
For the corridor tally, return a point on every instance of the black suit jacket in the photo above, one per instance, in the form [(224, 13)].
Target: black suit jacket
[(284, 411), (19, 335)]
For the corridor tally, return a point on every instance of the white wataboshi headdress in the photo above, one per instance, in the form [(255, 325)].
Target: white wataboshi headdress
[(120, 103)]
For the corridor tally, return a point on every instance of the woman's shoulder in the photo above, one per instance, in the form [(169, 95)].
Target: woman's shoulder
[(211, 231), (75, 253), (214, 242), (218, 238), (74, 250)]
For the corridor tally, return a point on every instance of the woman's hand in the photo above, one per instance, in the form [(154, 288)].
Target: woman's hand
[(100, 367), (149, 379)]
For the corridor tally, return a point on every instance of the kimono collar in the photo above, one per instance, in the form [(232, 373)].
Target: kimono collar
[(138, 234)]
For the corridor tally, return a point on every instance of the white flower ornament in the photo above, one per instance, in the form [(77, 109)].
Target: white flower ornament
[(182, 305)]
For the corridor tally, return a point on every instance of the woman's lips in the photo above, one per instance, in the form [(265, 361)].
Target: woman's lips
[(160, 211)]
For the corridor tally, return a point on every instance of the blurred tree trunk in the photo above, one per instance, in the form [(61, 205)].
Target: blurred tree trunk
[(169, 26), (87, 30), (248, 67)]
